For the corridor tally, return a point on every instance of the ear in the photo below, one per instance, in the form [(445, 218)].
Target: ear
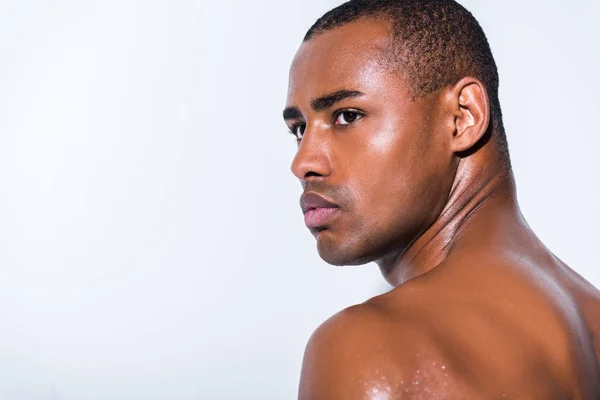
[(471, 113)]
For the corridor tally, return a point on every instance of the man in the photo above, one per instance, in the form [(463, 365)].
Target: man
[(403, 160)]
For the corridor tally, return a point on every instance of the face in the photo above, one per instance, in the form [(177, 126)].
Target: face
[(375, 164)]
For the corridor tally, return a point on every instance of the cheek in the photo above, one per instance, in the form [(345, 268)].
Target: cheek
[(399, 176), (383, 140), (394, 154), (377, 179)]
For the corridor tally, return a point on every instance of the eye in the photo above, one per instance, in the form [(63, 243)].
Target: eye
[(347, 117), (298, 130)]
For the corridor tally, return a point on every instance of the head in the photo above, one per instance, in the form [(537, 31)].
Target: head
[(386, 98)]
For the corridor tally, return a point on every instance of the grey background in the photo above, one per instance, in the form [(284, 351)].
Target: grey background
[(151, 243)]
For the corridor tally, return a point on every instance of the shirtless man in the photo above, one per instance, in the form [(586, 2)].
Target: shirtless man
[(403, 160)]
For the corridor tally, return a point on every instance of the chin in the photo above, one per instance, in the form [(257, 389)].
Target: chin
[(340, 253)]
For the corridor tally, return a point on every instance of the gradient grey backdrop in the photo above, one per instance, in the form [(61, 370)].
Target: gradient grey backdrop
[(151, 243)]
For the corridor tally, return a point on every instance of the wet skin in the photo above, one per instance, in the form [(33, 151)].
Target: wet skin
[(481, 309)]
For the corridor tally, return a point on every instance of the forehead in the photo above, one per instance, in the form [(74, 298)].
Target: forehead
[(351, 56)]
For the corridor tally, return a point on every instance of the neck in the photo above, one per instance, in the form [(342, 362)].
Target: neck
[(476, 194)]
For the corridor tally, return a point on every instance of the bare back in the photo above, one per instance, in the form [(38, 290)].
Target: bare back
[(503, 330)]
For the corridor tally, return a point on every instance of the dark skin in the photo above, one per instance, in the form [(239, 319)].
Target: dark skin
[(481, 309)]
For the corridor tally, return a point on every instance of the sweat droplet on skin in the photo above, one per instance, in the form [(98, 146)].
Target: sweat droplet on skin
[(381, 393)]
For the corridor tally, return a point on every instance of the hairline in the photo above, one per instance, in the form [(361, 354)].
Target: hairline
[(389, 59)]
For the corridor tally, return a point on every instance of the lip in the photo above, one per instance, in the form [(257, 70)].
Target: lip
[(317, 210), (318, 217)]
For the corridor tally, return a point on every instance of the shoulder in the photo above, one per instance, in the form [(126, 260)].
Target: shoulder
[(370, 352)]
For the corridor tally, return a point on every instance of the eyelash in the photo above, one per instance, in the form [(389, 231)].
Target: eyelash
[(334, 118)]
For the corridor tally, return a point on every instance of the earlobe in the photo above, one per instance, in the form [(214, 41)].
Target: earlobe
[(472, 115)]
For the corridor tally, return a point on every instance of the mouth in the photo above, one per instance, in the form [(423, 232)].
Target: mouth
[(318, 217), (317, 210)]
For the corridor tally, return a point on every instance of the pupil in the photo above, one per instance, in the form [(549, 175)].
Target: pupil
[(300, 130), (350, 116)]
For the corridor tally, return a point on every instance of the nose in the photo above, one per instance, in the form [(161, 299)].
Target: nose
[(312, 161)]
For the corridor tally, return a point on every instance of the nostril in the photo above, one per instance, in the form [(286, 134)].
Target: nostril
[(311, 174)]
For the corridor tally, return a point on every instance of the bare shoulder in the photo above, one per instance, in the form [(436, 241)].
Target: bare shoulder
[(370, 352), (420, 342)]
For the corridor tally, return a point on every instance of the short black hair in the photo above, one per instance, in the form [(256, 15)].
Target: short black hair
[(435, 42)]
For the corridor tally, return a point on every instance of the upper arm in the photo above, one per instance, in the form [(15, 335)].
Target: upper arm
[(358, 354), (361, 354), (337, 358)]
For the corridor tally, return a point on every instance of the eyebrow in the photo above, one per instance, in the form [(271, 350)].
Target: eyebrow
[(322, 103), (292, 113), (329, 100)]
